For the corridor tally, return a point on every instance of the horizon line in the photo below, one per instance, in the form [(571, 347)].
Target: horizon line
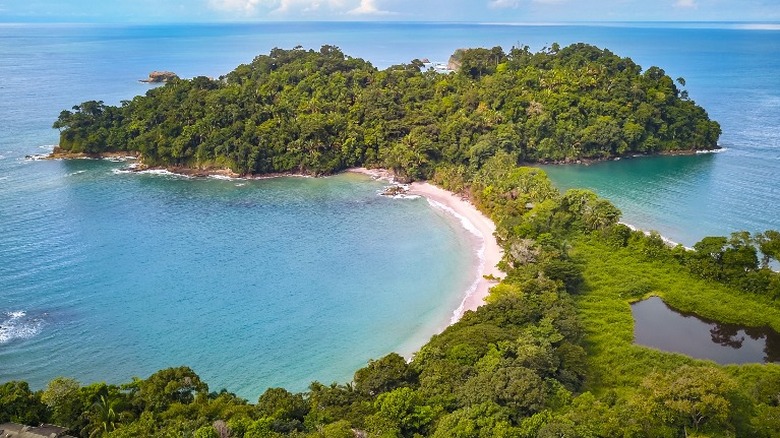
[(364, 21)]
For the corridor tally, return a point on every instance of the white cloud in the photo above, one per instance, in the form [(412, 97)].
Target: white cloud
[(247, 6), (291, 7), (497, 4), (368, 7), (685, 4), (504, 4)]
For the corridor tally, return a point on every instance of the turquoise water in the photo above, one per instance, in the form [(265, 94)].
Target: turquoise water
[(733, 73), (105, 275)]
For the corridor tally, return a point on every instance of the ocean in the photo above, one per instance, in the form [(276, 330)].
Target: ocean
[(106, 275)]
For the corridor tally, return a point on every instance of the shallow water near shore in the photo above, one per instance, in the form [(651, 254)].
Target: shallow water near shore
[(252, 283)]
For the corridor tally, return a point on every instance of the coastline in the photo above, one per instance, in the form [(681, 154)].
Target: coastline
[(669, 242), (473, 222), (488, 250), (589, 161), (489, 253), (58, 154)]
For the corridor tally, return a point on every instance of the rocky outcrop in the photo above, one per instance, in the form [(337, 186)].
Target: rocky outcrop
[(62, 154), (396, 190), (454, 62), (160, 76)]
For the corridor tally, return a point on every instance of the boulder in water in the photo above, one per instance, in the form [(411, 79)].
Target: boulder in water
[(160, 76)]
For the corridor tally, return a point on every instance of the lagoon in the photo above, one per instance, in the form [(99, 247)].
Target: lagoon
[(658, 326)]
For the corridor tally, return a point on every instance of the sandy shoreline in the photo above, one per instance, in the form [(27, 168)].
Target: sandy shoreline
[(474, 222), (490, 253)]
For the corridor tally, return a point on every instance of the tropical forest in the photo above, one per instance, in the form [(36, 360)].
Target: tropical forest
[(552, 352)]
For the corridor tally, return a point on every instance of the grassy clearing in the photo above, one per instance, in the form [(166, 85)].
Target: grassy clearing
[(616, 277)]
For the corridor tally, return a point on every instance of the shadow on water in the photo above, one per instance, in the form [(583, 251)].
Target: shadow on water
[(658, 326)]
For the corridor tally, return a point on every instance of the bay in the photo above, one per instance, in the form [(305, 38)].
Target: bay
[(109, 274)]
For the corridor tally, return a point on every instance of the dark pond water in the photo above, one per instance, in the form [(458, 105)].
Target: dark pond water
[(658, 326)]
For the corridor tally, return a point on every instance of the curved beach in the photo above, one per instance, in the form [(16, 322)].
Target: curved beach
[(486, 246), (474, 222)]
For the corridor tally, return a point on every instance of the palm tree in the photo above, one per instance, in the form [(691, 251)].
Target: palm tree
[(104, 416)]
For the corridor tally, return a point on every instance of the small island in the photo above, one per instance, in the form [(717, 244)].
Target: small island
[(320, 112), (160, 76)]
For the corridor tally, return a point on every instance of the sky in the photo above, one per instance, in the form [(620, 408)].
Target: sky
[(520, 11)]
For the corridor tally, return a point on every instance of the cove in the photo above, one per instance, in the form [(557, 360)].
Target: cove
[(108, 274), (658, 326)]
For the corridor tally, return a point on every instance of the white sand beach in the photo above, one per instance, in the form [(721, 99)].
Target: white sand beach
[(479, 225), (474, 222)]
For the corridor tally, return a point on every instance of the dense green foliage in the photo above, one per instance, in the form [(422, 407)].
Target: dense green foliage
[(620, 267), (321, 111), (551, 354)]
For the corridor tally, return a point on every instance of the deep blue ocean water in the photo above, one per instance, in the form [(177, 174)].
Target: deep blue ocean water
[(106, 275)]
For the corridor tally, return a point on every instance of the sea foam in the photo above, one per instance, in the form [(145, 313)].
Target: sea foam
[(457, 314), (226, 178), (157, 172), (16, 325), (463, 220), (480, 252), (712, 151), (36, 157)]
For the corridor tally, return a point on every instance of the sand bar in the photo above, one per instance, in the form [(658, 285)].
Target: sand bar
[(474, 222)]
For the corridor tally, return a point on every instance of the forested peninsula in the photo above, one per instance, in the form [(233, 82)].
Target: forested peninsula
[(318, 112), (551, 353)]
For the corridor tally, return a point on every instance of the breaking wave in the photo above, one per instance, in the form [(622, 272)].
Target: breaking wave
[(18, 325)]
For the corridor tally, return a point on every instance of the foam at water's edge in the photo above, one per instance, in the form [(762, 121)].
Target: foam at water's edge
[(35, 157), (471, 228), (159, 172), (225, 177), (667, 241), (463, 220), (712, 151), (461, 309)]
